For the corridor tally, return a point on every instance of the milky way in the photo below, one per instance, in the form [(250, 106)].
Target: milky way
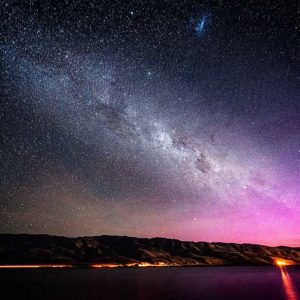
[(128, 118)]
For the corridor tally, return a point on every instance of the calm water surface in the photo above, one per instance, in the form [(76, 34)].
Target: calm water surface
[(154, 283)]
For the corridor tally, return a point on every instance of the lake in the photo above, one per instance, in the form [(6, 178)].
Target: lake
[(182, 283)]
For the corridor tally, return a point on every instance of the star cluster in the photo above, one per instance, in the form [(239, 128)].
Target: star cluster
[(151, 118)]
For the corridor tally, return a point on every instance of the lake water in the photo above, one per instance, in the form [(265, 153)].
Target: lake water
[(203, 283)]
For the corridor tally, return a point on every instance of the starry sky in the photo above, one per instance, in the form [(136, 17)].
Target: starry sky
[(169, 118)]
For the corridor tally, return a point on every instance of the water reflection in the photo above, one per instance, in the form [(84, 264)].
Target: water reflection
[(289, 289)]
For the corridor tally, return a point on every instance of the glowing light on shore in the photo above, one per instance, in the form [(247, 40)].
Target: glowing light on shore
[(280, 263), (283, 262), (33, 266), (146, 264), (141, 264), (105, 266), (98, 265)]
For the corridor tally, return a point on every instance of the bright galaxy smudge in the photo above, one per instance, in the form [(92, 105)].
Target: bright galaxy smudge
[(201, 24)]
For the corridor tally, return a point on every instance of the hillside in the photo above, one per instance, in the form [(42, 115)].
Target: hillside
[(130, 251)]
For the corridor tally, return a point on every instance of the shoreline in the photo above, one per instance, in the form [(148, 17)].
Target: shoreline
[(57, 266)]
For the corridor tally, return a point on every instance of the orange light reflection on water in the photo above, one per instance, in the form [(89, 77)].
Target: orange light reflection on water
[(288, 286)]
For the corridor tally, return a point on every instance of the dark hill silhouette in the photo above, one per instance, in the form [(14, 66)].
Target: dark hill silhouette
[(130, 251)]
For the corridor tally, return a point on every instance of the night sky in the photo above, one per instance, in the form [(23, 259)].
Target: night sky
[(166, 118)]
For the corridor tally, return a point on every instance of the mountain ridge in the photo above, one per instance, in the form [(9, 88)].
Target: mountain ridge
[(106, 250)]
